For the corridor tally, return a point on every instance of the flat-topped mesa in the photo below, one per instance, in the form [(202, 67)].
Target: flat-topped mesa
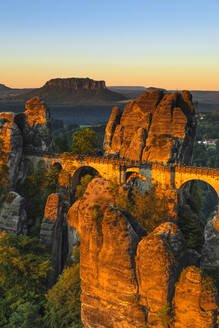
[(75, 84), (156, 127), (35, 124)]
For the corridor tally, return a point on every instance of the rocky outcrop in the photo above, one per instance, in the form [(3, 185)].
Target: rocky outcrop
[(74, 91), (128, 279), (76, 84), (108, 244), (53, 233), (13, 218), (12, 139), (24, 131), (155, 127), (195, 300), (210, 250), (110, 128), (160, 257), (34, 124)]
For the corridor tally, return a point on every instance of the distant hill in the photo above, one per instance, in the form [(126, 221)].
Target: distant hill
[(132, 92), (74, 91), (8, 92)]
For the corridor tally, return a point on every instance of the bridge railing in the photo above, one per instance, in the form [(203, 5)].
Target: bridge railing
[(114, 159)]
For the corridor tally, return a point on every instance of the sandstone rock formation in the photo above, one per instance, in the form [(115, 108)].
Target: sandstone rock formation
[(195, 300), (128, 279), (160, 257), (13, 218), (13, 147), (73, 90), (107, 250), (210, 250), (155, 127), (53, 232), (24, 131), (34, 124), (76, 84)]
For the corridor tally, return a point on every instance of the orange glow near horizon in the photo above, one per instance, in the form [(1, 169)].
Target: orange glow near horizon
[(169, 76)]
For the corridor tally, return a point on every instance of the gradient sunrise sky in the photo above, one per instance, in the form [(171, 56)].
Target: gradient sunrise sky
[(171, 44)]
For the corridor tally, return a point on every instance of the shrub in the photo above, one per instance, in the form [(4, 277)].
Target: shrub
[(24, 273), (165, 316), (85, 180), (148, 208), (85, 141), (63, 300)]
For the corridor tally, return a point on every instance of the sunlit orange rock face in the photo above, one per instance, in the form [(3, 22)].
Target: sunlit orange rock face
[(34, 124), (36, 112), (155, 127), (13, 147), (195, 300), (9, 116), (107, 251), (127, 278), (160, 257)]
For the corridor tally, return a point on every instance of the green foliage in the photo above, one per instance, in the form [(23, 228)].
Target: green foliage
[(85, 180), (61, 144), (148, 208), (84, 141), (51, 180), (26, 315), (63, 300), (165, 316), (3, 172), (36, 189), (207, 128), (24, 273), (189, 216)]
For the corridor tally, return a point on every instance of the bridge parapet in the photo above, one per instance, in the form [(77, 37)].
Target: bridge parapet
[(170, 175)]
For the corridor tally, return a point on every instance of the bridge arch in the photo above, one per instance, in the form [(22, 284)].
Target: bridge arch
[(204, 190), (57, 165), (81, 172), (133, 175)]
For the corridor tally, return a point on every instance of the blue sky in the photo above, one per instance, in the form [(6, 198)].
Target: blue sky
[(171, 44)]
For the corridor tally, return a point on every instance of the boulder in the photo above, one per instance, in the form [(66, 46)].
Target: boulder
[(108, 244), (13, 217), (195, 300)]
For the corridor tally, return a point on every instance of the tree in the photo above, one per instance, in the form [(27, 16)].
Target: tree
[(61, 144), (85, 180), (3, 171), (85, 141), (36, 190), (147, 208), (63, 300), (24, 274), (51, 180), (26, 315)]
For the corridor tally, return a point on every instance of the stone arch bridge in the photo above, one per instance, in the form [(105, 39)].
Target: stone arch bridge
[(169, 177)]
